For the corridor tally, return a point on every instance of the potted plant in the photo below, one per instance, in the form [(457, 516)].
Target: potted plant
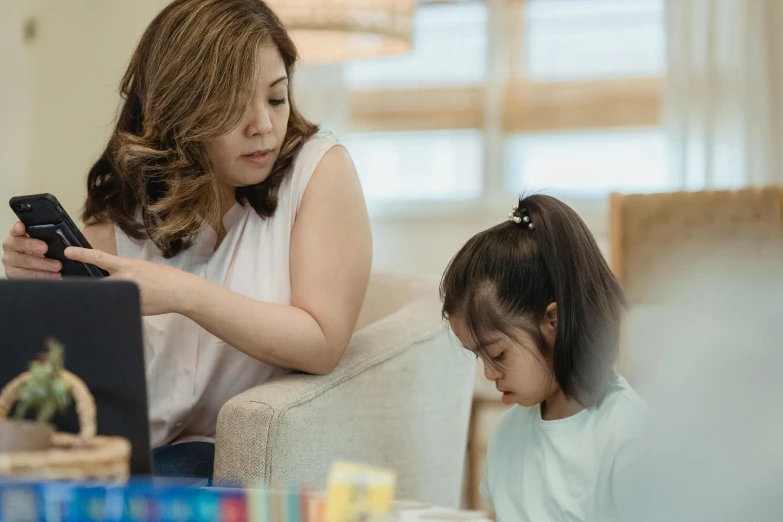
[(43, 392)]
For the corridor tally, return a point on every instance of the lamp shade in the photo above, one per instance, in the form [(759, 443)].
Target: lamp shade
[(337, 30)]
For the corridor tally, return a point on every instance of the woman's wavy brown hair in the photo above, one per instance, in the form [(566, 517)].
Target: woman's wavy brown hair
[(190, 80)]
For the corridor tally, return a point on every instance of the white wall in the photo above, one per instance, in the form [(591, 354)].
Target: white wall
[(15, 107), (58, 92), (426, 244), (81, 52)]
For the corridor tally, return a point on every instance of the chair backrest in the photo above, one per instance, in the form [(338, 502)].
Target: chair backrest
[(673, 247), (692, 248)]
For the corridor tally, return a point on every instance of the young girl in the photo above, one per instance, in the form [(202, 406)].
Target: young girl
[(535, 300), (246, 232)]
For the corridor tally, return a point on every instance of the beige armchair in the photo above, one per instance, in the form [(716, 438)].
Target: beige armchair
[(400, 399)]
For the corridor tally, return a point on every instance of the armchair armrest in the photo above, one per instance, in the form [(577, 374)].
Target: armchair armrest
[(400, 398)]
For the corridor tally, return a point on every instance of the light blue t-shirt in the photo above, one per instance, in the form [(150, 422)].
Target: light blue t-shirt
[(562, 470)]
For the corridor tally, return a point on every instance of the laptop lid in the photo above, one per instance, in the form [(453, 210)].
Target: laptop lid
[(99, 323)]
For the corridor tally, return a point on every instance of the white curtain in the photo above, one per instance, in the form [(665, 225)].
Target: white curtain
[(723, 103)]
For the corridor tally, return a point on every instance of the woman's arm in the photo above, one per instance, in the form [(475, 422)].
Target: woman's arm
[(331, 253), (330, 258)]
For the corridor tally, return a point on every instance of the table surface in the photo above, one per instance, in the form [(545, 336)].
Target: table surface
[(416, 512)]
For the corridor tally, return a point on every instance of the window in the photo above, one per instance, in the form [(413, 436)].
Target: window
[(588, 164), (578, 39), (424, 165), (579, 109), (449, 48)]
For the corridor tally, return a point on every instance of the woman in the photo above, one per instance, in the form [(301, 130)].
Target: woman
[(246, 233)]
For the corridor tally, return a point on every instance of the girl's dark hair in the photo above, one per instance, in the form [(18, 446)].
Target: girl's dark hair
[(505, 277)]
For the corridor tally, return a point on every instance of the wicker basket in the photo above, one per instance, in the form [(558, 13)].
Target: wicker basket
[(77, 457)]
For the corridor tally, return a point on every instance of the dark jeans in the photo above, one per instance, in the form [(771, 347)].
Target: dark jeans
[(186, 460)]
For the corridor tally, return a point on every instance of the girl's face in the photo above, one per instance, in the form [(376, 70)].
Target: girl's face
[(245, 155), (515, 364)]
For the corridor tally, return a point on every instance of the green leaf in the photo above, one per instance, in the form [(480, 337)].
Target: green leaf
[(45, 391), (46, 412)]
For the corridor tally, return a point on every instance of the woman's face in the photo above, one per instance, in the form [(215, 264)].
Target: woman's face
[(246, 154)]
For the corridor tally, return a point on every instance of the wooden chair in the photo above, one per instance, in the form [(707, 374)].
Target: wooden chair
[(695, 246), (648, 231)]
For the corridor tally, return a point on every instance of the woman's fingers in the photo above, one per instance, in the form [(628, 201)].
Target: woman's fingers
[(25, 244), (22, 273), (30, 262)]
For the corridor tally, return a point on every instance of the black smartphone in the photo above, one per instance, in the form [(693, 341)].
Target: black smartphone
[(45, 219)]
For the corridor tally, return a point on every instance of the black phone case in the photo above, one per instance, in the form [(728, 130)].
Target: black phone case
[(48, 222)]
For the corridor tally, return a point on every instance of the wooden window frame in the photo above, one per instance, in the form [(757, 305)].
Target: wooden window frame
[(507, 103)]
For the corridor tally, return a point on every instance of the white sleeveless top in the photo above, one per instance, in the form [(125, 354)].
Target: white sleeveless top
[(190, 372)]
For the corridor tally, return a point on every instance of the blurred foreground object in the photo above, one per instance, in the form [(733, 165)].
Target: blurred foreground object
[(712, 378), (695, 247), (703, 272), (359, 493), (47, 388)]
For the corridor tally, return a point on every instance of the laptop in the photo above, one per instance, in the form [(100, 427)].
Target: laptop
[(99, 323)]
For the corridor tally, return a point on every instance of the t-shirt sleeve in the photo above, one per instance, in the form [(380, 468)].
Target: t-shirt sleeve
[(624, 480), (623, 483)]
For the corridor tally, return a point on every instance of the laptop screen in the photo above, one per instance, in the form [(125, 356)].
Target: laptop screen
[(99, 324)]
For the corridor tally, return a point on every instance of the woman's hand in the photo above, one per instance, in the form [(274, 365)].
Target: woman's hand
[(159, 284), (23, 257)]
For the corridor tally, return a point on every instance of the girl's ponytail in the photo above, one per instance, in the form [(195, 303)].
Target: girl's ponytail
[(588, 297)]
